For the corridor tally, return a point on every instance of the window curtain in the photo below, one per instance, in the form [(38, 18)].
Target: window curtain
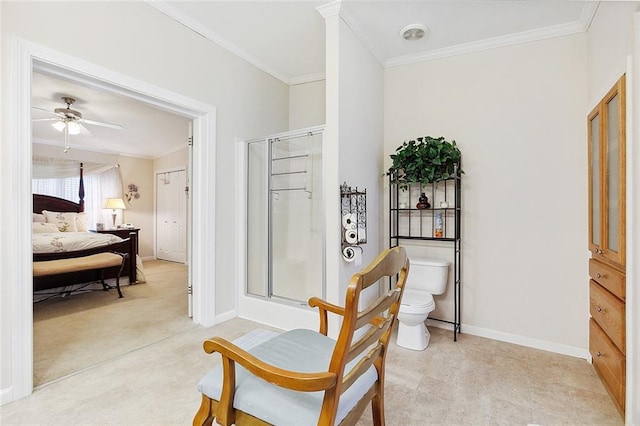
[(61, 178)]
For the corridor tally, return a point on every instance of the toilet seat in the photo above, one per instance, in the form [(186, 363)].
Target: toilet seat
[(416, 302)]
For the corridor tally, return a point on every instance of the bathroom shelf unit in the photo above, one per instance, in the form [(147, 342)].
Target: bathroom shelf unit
[(407, 222)]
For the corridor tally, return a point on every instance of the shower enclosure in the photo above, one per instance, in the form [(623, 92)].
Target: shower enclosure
[(285, 217)]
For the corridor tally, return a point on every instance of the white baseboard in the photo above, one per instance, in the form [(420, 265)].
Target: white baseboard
[(226, 316), (529, 342), (6, 395)]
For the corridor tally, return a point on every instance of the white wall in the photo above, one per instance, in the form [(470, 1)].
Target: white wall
[(177, 158), (139, 171), (136, 40), (307, 104), (610, 40), (517, 114), (355, 145)]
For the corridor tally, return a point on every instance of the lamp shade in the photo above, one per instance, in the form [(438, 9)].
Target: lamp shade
[(59, 125), (114, 203)]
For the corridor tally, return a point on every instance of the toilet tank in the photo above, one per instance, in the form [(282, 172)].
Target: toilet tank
[(429, 275)]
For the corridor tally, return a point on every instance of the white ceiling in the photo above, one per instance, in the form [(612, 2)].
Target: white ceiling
[(148, 132), (287, 40)]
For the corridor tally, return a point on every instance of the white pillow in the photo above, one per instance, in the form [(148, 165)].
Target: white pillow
[(81, 222), (65, 221), (41, 227), (37, 217)]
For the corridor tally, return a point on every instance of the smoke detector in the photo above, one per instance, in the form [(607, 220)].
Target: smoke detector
[(414, 32)]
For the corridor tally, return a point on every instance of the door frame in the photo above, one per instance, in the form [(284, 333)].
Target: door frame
[(16, 245), (155, 204)]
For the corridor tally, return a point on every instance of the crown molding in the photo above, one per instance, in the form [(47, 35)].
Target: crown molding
[(588, 13), (330, 9), (309, 78), (172, 12), (491, 43), (361, 33), (339, 8)]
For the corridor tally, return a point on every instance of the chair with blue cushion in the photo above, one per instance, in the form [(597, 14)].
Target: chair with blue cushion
[(303, 377)]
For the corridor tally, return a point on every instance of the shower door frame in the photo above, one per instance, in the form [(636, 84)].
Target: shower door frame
[(268, 291)]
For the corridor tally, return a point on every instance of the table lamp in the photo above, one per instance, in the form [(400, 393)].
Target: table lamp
[(114, 204)]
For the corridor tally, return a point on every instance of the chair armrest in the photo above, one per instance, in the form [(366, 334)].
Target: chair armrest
[(306, 382), (323, 307)]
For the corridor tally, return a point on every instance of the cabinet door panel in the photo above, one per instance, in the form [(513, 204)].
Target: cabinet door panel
[(614, 122), (594, 180), (613, 186), (607, 139)]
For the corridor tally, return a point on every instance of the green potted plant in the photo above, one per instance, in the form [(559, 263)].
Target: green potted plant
[(424, 160)]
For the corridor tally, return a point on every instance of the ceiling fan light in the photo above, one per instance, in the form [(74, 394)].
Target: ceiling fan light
[(74, 128), (58, 125)]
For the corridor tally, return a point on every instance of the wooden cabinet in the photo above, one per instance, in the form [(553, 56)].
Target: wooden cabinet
[(607, 243), (607, 141)]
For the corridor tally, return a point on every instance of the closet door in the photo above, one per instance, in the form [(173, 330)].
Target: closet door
[(171, 216)]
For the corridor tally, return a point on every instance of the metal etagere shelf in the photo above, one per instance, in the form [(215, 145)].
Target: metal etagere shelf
[(438, 223)]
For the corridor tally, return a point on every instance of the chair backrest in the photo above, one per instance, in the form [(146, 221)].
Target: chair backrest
[(372, 325)]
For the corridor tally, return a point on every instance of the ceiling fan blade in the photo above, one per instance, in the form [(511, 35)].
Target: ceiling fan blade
[(45, 119), (103, 124), (43, 109), (84, 131)]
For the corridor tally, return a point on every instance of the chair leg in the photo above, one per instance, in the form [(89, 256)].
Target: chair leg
[(205, 414), (377, 407)]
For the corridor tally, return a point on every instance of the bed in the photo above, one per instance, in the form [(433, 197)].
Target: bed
[(54, 245)]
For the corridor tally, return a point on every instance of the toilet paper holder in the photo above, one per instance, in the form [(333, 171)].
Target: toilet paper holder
[(353, 209)]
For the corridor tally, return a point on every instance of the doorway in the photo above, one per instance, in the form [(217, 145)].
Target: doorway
[(30, 56), (89, 325)]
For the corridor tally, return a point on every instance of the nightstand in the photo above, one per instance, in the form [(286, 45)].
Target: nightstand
[(122, 233)]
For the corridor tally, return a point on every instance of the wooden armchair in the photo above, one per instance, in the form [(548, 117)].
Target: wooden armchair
[(303, 377)]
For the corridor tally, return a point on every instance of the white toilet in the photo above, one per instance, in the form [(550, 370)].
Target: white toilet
[(426, 278)]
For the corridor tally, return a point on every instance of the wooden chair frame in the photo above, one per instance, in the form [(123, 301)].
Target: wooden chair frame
[(371, 346)]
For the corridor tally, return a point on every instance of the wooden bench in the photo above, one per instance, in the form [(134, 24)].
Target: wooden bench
[(98, 262)]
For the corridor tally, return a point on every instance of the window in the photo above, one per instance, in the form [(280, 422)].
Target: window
[(97, 186)]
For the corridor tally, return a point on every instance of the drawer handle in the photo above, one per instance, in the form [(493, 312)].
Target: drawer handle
[(599, 354), (599, 275), (599, 309)]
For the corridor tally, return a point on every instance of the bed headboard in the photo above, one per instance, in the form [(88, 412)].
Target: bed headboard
[(55, 204)]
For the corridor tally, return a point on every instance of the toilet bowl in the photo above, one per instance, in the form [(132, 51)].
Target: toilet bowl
[(426, 278)]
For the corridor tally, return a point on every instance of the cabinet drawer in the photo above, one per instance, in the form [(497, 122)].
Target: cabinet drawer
[(609, 312), (609, 278), (608, 362)]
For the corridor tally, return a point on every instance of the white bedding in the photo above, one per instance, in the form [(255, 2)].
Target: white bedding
[(55, 242)]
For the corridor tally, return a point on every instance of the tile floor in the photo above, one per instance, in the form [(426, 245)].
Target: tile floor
[(474, 381)]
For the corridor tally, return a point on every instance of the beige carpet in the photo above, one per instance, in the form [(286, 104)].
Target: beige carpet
[(79, 331)]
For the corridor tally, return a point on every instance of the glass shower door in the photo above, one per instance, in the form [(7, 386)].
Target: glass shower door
[(285, 218)]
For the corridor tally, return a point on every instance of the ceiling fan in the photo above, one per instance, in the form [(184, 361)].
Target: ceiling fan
[(71, 121)]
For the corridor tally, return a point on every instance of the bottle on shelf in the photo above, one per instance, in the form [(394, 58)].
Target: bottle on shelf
[(423, 202), (439, 226)]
